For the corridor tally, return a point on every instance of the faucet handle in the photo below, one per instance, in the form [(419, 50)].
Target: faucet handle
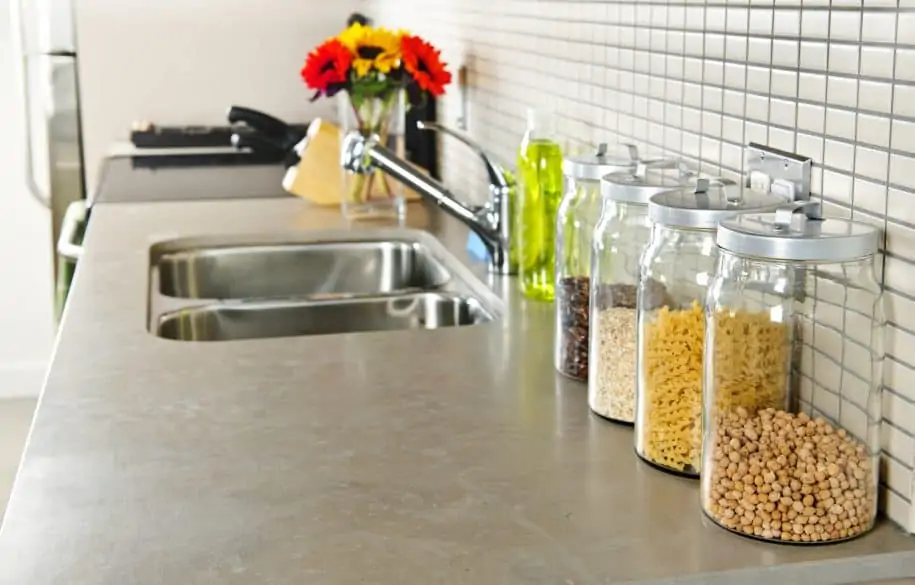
[(494, 170), (352, 153)]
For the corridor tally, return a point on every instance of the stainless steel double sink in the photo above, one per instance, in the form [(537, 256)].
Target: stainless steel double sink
[(209, 289)]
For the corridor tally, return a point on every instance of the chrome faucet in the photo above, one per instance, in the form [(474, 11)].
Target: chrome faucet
[(491, 222)]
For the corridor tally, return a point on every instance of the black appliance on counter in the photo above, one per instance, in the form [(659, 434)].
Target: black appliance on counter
[(262, 139)]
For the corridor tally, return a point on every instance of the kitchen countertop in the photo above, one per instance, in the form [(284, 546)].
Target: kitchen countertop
[(449, 456)]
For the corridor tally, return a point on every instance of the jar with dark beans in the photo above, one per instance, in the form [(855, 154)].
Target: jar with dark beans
[(578, 213), (573, 300)]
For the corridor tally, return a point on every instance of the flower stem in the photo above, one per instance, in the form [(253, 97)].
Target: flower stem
[(372, 116)]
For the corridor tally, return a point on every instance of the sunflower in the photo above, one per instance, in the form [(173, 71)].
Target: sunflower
[(327, 67), (423, 63), (371, 47)]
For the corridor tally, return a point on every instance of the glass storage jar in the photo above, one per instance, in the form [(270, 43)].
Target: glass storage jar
[(620, 238), (538, 197), (793, 378), (578, 214), (676, 269)]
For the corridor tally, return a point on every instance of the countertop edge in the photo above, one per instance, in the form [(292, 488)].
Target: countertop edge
[(852, 570)]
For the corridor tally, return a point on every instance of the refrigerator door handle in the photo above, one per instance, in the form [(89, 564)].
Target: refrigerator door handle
[(74, 220), (19, 36)]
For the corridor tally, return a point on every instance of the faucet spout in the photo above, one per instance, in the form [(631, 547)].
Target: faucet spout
[(363, 155)]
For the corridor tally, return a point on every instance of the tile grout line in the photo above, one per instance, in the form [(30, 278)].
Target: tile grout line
[(701, 142)]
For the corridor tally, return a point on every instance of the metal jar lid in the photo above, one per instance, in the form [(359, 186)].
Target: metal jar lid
[(797, 231), (592, 167), (708, 203), (646, 180)]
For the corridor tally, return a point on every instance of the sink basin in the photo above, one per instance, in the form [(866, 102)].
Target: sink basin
[(298, 269), (287, 318), (258, 286)]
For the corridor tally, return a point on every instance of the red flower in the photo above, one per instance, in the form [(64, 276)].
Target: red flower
[(326, 69), (423, 63)]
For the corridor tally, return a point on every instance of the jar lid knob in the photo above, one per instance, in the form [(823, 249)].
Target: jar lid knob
[(684, 170), (701, 193), (633, 151), (784, 214)]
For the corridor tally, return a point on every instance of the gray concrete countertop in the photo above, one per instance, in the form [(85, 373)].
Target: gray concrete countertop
[(452, 456)]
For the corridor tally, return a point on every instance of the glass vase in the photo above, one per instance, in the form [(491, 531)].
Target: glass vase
[(373, 195)]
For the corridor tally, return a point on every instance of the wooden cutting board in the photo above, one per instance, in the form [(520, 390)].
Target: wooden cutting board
[(318, 178)]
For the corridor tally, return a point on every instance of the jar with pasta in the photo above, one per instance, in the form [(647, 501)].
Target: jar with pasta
[(792, 409), (620, 238), (680, 257)]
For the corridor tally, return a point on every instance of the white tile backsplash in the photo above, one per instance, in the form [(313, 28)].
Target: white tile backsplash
[(814, 55), (825, 78), (875, 96), (879, 27), (877, 62), (840, 123), (904, 136), (815, 25), (843, 58), (787, 23), (905, 64)]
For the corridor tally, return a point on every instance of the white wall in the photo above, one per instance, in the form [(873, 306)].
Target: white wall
[(186, 61), (26, 289), (170, 61)]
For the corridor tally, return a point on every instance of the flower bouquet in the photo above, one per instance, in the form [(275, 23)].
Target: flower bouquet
[(369, 69)]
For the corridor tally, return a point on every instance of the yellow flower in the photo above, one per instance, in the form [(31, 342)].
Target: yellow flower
[(371, 47), (351, 36)]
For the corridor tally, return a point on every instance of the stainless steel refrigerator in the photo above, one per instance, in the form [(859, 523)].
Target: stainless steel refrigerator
[(45, 43)]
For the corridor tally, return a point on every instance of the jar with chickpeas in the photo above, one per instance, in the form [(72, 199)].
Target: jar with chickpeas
[(675, 270), (791, 390)]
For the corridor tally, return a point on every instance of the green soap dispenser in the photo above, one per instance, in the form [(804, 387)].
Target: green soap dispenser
[(539, 193)]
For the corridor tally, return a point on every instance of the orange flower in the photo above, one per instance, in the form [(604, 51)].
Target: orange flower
[(423, 63), (326, 69)]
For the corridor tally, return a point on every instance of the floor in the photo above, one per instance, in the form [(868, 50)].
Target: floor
[(15, 418)]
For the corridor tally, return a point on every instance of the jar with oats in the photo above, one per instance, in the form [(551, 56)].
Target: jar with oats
[(620, 238), (680, 257), (792, 386)]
